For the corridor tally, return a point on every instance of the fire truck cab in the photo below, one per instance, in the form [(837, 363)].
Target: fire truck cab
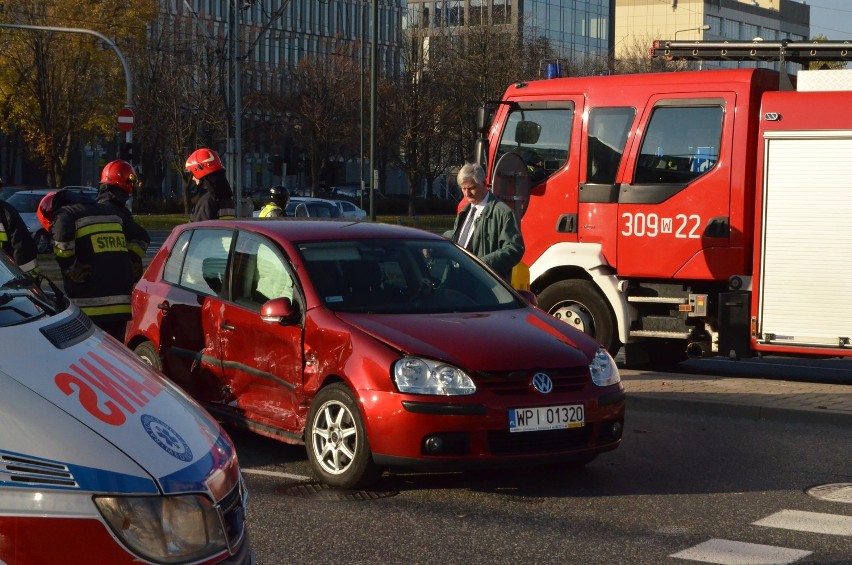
[(644, 202)]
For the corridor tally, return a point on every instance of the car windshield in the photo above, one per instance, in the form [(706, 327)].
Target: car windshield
[(25, 202), (20, 299), (403, 277)]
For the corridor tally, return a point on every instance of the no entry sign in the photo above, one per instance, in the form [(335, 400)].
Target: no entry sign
[(125, 119)]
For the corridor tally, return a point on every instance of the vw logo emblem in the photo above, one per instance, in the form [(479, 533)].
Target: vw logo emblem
[(542, 383)]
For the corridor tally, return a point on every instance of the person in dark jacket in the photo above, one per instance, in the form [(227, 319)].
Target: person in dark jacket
[(90, 246), (217, 198), (16, 240), (118, 179), (487, 227)]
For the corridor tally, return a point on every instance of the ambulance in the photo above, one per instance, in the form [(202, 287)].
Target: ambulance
[(102, 460)]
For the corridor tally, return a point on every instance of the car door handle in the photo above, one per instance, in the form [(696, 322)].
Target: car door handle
[(227, 327)]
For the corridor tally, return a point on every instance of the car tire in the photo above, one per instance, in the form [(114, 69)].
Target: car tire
[(580, 304), (336, 440), (43, 242), (148, 353)]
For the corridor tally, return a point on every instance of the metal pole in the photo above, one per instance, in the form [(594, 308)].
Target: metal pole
[(374, 175), (229, 97), (128, 137), (238, 110), (363, 23)]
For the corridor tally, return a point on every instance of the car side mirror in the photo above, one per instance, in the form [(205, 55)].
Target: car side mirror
[(529, 297), (279, 311)]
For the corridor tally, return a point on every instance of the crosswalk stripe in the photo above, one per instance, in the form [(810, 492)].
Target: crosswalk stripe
[(727, 552), (815, 522)]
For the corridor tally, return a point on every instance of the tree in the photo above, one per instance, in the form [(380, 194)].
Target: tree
[(58, 88), (824, 64), (327, 103), (636, 58), (420, 110), (181, 104)]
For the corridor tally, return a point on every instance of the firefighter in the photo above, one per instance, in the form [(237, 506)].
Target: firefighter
[(15, 239), (217, 198), (278, 198), (118, 179), (90, 246)]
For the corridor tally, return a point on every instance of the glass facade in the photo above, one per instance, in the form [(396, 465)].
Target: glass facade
[(575, 29)]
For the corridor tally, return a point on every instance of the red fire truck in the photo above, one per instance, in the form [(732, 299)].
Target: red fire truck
[(687, 213)]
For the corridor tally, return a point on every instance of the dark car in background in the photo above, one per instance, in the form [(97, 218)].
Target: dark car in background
[(374, 345)]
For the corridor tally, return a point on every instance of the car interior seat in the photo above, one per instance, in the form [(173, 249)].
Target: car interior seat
[(213, 272)]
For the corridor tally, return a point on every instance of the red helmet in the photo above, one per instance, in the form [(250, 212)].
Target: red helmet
[(203, 162), (119, 174), (46, 209)]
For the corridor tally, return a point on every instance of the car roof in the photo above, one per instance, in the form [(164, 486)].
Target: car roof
[(46, 191), (300, 199), (307, 229)]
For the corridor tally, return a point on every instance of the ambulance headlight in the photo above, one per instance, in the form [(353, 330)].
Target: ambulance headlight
[(603, 369), (166, 529)]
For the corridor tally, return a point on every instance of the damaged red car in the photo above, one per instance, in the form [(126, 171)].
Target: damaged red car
[(374, 345)]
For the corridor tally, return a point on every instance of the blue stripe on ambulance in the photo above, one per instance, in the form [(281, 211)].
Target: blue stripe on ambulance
[(192, 478), (25, 471)]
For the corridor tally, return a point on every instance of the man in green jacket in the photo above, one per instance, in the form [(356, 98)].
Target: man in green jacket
[(487, 227)]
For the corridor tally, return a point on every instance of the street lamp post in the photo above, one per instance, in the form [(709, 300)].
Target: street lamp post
[(374, 174), (705, 27)]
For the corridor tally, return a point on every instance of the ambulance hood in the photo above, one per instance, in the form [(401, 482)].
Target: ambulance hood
[(80, 411)]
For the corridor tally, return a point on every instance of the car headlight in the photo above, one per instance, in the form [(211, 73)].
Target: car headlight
[(603, 369), (414, 375), (166, 529)]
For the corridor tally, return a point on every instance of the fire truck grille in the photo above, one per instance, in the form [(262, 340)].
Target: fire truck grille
[(69, 331), (529, 443), (23, 470), (520, 382)]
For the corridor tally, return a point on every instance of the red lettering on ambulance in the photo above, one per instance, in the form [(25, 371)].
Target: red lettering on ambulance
[(101, 381), (88, 398), (146, 387)]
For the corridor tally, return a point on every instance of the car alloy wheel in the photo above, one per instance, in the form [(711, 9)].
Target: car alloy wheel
[(336, 439)]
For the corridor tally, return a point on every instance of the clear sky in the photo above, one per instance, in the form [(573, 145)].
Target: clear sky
[(831, 18)]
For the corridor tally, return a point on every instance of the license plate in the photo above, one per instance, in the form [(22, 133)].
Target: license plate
[(546, 418)]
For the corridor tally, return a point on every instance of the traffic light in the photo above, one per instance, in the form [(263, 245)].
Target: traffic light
[(126, 151)]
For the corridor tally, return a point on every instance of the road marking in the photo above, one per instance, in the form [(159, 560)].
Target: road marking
[(727, 552), (276, 474), (833, 524)]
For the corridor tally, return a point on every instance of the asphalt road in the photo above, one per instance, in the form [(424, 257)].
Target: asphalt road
[(678, 482)]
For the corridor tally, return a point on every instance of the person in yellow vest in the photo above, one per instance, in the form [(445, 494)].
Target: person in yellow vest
[(278, 198)]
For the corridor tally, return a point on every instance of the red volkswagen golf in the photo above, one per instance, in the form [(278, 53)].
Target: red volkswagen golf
[(374, 345)]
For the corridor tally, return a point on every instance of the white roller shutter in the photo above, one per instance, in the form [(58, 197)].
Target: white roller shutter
[(805, 289)]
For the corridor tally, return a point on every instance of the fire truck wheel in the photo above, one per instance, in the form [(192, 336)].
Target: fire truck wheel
[(580, 304)]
